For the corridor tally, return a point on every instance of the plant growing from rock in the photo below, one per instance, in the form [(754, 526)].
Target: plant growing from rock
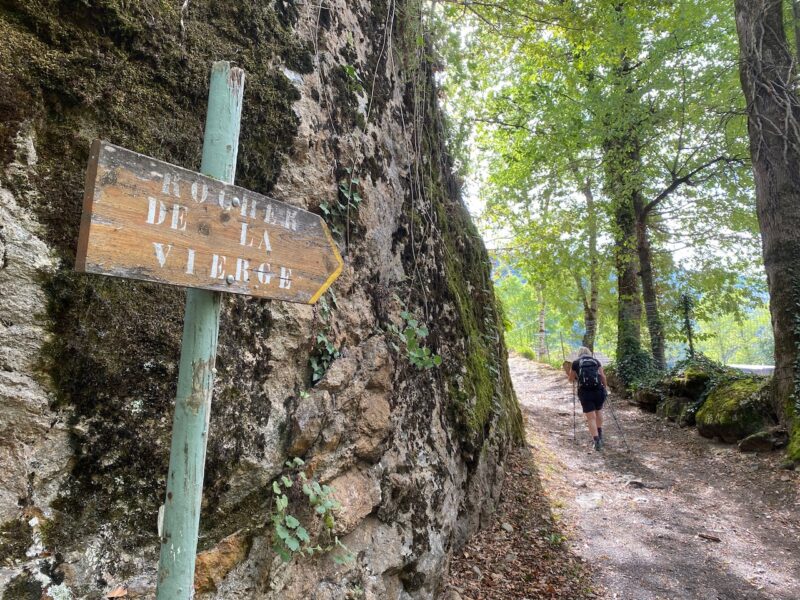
[(289, 536), (412, 337), (339, 214), (325, 351)]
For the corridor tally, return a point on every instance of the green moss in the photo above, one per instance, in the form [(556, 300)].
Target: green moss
[(485, 391), (482, 396), (23, 587), (735, 409), (793, 450), (15, 539)]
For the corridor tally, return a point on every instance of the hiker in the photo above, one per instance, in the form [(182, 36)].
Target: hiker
[(592, 391)]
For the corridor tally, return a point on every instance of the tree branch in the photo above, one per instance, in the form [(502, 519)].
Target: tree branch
[(684, 179)]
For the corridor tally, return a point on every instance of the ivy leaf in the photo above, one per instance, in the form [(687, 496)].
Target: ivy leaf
[(282, 552), (302, 534), (292, 543), (292, 522)]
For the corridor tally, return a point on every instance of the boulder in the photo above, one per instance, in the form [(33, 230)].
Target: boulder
[(647, 398), (672, 407), (689, 382), (764, 441), (614, 382), (734, 410)]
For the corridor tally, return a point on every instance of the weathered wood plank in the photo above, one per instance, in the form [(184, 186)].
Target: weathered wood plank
[(150, 220)]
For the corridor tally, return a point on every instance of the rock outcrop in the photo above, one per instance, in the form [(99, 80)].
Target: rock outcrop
[(734, 410), (340, 118)]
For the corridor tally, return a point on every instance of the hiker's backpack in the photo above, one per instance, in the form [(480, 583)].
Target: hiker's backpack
[(589, 373)]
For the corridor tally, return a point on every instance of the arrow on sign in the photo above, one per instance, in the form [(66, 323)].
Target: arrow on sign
[(150, 220)]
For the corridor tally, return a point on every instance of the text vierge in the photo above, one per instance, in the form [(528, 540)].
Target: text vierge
[(242, 271)]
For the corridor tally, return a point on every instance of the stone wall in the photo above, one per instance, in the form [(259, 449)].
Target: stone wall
[(339, 96)]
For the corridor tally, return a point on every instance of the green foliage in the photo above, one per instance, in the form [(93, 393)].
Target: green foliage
[(567, 102), (343, 211), (636, 369), (737, 339), (325, 353), (412, 337), (289, 536), (563, 317)]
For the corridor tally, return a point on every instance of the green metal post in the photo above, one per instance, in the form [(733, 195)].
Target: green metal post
[(181, 512)]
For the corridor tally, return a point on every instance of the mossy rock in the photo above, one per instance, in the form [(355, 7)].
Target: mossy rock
[(735, 409), (793, 450), (689, 383), (647, 398), (614, 382), (673, 407), (763, 441), (688, 416)]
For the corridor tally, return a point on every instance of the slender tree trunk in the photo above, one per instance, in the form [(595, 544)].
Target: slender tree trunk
[(654, 325), (767, 72), (542, 350), (588, 314), (796, 26), (590, 306)]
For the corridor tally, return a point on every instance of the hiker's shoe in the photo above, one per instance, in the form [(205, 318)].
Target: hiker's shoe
[(598, 444), (601, 443)]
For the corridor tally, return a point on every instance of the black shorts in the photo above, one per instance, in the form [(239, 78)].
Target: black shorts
[(592, 400)]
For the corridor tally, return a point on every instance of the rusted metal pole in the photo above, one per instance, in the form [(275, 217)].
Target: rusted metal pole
[(181, 511)]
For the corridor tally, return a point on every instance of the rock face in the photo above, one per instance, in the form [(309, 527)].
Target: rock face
[(340, 118)]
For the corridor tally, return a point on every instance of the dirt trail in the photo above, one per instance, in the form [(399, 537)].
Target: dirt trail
[(637, 518)]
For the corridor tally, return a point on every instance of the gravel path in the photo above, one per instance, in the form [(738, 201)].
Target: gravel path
[(680, 517)]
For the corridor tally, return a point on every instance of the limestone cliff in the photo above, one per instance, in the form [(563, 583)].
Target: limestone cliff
[(340, 118)]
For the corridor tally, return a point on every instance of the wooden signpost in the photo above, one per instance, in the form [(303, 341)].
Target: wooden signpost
[(146, 219)]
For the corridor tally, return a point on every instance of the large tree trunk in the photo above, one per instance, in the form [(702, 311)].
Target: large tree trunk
[(768, 79), (654, 325), (621, 154)]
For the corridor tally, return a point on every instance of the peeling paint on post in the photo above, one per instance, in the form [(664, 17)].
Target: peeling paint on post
[(198, 354)]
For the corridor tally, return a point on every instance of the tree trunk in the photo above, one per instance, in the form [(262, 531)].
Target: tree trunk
[(654, 325), (796, 25), (589, 315), (620, 155), (542, 350), (768, 80), (590, 307)]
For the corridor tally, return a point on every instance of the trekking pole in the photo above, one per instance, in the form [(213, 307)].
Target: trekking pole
[(622, 433), (574, 430)]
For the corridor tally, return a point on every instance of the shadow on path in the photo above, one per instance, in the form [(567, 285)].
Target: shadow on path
[(639, 516), (522, 553)]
